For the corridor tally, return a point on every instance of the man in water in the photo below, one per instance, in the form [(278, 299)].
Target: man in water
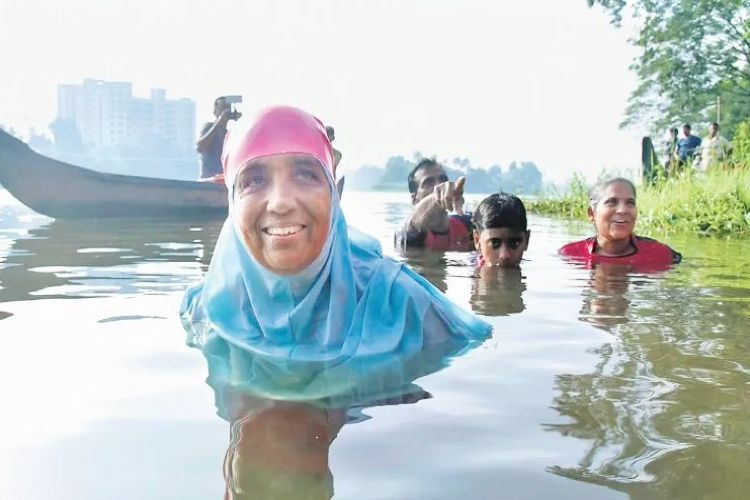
[(211, 139), (431, 224)]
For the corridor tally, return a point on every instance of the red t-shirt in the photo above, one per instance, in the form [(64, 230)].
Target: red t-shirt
[(649, 254), (458, 238)]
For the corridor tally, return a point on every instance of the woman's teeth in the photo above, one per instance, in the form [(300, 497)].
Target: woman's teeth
[(283, 231)]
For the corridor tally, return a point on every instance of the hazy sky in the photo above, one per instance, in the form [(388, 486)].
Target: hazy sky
[(492, 80)]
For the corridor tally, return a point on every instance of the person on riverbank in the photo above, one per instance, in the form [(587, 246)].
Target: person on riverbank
[(211, 138), (687, 146), (500, 231), (715, 149), (289, 279), (431, 224), (670, 150), (613, 210)]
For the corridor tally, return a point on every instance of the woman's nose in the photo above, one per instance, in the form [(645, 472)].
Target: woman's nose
[(280, 199)]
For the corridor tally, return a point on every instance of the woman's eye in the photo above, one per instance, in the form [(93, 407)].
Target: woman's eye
[(250, 183), (309, 175)]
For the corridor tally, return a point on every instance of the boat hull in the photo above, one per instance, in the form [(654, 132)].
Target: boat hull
[(61, 190)]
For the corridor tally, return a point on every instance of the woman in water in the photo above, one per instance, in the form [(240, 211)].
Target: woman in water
[(289, 280), (613, 210)]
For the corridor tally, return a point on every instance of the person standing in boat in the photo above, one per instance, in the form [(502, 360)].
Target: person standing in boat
[(331, 134), (211, 139)]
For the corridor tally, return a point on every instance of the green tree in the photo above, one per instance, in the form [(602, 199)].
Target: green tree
[(692, 52)]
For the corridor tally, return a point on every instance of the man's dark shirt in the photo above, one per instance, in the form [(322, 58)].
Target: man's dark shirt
[(211, 157)]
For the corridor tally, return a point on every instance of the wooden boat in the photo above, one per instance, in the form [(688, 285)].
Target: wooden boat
[(61, 190)]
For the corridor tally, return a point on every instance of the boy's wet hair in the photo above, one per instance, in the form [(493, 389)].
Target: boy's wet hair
[(500, 210), (424, 163)]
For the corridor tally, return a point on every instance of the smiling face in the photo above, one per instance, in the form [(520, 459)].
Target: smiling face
[(615, 214), (283, 210), (501, 246)]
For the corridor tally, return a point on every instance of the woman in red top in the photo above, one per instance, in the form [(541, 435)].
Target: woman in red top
[(613, 211)]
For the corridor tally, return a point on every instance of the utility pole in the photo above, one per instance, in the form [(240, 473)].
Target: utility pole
[(718, 109)]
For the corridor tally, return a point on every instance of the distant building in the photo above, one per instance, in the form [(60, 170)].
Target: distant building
[(107, 114)]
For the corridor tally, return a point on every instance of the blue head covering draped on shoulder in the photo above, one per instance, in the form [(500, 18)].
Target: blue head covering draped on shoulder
[(349, 302)]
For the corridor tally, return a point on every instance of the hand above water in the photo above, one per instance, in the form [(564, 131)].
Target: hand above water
[(450, 195), (431, 213)]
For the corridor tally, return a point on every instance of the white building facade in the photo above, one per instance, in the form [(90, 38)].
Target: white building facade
[(107, 114)]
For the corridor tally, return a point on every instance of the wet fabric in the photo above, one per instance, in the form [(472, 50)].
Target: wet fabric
[(458, 238), (649, 255), (350, 302)]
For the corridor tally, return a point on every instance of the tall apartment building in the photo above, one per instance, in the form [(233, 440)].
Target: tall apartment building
[(107, 114)]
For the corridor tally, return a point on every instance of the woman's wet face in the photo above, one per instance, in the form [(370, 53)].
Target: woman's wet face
[(615, 214), (283, 210)]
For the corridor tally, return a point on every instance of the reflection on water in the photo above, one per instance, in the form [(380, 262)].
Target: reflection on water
[(285, 415), (431, 265), (87, 258), (665, 409), (498, 291), (604, 299)]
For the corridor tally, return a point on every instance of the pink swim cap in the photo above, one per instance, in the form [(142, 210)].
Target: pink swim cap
[(277, 130)]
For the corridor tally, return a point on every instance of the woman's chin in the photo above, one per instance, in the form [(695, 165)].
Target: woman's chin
[(624, 232), (288, 261)]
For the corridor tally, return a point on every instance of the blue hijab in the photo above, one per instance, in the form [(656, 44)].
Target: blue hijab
[(349, 302)]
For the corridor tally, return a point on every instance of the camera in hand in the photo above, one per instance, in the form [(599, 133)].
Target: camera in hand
[(231, 100)]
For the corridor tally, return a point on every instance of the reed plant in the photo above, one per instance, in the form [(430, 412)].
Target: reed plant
[(571, 203)]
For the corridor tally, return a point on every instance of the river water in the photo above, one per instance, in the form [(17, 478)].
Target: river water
[(595, 384)]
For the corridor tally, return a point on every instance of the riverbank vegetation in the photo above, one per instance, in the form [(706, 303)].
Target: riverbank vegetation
[(716, 203), (692, 66)]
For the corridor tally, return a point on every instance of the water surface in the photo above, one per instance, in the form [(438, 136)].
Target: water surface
[(595, 384)]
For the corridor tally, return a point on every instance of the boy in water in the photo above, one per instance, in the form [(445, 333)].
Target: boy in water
[(500, 233)]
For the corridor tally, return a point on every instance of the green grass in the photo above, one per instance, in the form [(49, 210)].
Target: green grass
[(713, 204)]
